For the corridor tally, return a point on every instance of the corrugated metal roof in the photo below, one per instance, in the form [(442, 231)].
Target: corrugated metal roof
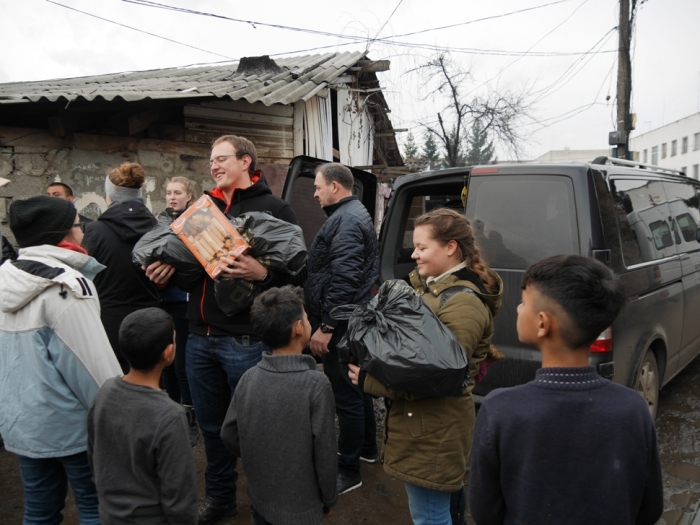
[(301, 77)]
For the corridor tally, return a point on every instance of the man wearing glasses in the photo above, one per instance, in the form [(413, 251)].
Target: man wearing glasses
[(218, 342)]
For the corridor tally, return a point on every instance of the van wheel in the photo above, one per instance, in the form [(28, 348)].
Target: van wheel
[(648, 382)]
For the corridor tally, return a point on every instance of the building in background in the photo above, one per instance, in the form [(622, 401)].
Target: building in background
[(675, 146), (328, 106)]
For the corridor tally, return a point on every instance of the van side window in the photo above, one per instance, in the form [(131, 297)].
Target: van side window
[(421, 204), (521, 219), (646, 227), (684, 203)]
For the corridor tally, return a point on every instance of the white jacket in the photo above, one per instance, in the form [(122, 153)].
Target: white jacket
[(54, 353)]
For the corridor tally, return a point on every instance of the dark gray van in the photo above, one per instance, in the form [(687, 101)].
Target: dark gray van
[(640, 220)]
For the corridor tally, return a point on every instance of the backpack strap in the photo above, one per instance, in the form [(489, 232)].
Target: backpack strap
[(454, 290)]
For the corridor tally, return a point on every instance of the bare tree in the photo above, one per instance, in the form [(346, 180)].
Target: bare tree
[(498, 113)]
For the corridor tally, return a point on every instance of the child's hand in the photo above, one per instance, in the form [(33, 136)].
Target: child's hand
[(354, 373), (327, 511)]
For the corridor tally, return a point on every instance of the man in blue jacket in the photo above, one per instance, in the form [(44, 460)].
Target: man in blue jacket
[(343, 265)]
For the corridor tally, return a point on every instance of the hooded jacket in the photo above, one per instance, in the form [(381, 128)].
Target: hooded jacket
[(428, 439), (204, 314), (123, 287), (54, 354)]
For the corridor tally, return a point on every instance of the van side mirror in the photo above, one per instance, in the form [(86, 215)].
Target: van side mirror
[(697, 235)]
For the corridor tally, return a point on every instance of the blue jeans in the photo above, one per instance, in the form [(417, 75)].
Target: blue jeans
[(355, 410), (428, 506), (214, 367), (175, 376), (45, 483)]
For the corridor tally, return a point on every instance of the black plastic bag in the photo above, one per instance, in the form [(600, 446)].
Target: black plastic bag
[(163, 244), (400, 341), (275, 243)]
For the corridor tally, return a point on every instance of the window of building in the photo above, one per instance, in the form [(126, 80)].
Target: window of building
[(663, 150), (645, 156), (674, 147), (655, 155), (696, 142), (684, 145), (696, 173)]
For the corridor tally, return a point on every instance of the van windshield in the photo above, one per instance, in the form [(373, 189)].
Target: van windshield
[(520, 219)]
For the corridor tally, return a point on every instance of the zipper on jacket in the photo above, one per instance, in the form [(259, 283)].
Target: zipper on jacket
[(201, 305)]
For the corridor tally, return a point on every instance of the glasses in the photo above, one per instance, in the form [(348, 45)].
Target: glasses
[(219, 160), (80, 225)]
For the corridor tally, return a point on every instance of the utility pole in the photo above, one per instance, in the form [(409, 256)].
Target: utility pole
[(624, 81)]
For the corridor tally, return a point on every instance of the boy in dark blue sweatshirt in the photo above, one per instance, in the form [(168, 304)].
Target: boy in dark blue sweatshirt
[(569, 447)]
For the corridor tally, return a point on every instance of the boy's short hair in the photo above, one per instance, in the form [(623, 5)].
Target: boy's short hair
[(274, 313), (588, 292), (144, 335)]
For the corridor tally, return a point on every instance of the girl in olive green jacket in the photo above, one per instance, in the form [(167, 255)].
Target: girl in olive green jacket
[(428, 439)]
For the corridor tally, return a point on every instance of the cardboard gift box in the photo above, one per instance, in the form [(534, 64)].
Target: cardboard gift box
[(209, 235)]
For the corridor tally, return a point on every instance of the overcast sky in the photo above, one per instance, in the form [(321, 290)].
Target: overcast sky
[(41, 40)]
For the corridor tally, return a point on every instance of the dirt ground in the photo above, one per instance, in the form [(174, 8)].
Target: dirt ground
[(382, 499)]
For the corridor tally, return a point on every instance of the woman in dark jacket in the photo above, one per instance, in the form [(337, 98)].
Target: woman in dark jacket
[(123, 287)]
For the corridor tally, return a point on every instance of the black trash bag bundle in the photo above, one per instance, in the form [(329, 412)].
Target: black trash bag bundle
[(163, 244), (275, 243), (400, 341)]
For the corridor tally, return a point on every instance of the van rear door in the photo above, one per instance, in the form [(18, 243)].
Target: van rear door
[(299, 193)]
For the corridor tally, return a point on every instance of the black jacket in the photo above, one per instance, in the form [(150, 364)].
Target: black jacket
[(343, 261), (205, 316), (123, 287)]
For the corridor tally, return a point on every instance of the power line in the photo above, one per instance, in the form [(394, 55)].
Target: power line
[(386, 40), (479, 19), (533, 45), (136, 29), (385, 23), (547, 91)]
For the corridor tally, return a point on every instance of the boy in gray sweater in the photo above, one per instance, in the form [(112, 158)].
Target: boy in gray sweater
[(281, 419), (138, 441)]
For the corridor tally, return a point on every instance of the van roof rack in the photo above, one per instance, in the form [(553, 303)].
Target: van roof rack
[(632, 164)]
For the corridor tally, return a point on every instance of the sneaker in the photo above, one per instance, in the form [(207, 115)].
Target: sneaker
[(346, 483), (192, 425), (370, 458), (210, 512)]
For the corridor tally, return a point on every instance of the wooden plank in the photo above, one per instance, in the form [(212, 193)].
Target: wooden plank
[(298, 128), (278, 110), (39, 138), (166, 132), (237, 116), (58, 126), (235, 128), (142, 120)]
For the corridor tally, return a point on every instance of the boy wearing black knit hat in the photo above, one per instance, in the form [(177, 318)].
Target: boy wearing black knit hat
[(569, 447), (54, 356)]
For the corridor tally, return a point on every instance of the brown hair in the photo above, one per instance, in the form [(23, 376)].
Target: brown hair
[(243, 147), (186, 183), (128, 175), (448, 225)]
